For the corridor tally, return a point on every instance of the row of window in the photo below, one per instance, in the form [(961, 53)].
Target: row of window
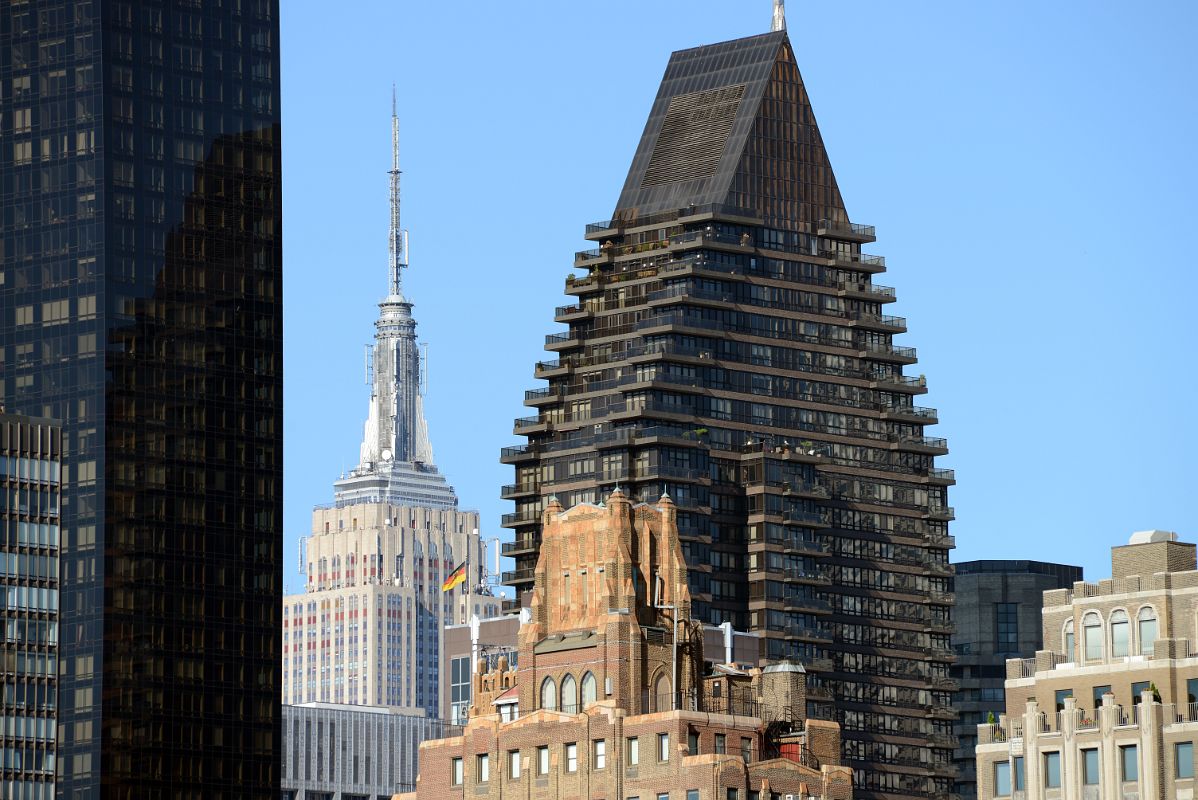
[(1117, 639), (1009, 775), (482, 761)]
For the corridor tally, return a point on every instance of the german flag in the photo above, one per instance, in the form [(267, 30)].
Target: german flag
[(455, 577)]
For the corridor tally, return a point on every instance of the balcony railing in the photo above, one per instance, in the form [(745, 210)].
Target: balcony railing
[(519, 575), (829, 227)]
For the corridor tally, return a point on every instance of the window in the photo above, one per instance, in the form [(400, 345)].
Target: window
[(692, 742), (459, 689), (721, 745), (1006, 616), (1092, 636), (482, 767), (1019, 773), (1183, 757), (456, 771), (663, 796), (1119, 634), (663, 747), (1136, 689), (549, 694), (1192, 690), (1090, 766), (1002, 779), (589, 689), (1061, 694), (634, 751), (1130, 761), (692, 794), (543, 760), (1099, 691), (569, 695), (599, 750), (746, 749), (513, 764), (1069, 649), (1147, 631), (1052, 770), (733, 794)]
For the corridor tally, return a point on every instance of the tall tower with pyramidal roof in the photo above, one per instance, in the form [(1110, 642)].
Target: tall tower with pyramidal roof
[(728, 346)]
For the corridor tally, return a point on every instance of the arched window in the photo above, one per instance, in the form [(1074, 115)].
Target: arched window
[(1092, 636), (1120, 630), (549, 694), (1069, 650), (589, 689), (569, 695), (1147, 630), (662, 693)]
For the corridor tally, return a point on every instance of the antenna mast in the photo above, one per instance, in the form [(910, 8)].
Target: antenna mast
[(779, 16), (396, 245)]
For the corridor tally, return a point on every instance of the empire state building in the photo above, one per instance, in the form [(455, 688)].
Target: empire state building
[(367, 630)]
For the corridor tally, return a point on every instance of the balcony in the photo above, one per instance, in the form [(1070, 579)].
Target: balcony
[(551, 369), (806, 490), (941, 712), (518, 453), (941, 599), (792, 541), (518, 518), (928, 445), (513, 490), (536, 397), (945, 684), (941, 513), (518, 576), (527, 425), (572, 312), (897, 382), (865, 291), (941, 540), (879, 322), (886, 352), (561, 341), (523, 545), (928, 416), (942, 476), (848, 231), (808, 519)]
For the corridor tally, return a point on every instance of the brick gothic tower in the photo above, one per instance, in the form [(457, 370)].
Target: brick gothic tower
[(612, 578)]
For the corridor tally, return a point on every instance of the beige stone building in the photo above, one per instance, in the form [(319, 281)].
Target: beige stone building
[(369, 627), (1109, 709), (611, 698)]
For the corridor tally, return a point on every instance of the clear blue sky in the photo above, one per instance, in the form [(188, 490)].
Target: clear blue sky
[(1029, 165)]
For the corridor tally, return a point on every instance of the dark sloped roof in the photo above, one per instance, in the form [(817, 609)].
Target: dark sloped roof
[(701, 119)]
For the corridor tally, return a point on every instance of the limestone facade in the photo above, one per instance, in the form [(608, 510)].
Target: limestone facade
[(1109, 709), (369, 627)]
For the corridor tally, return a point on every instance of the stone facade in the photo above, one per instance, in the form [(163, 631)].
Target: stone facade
[(611, 697), (376, 568), (340, 752), (1110, 707)]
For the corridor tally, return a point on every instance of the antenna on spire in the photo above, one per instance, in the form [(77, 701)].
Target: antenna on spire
[(397, 245), (779, 16)]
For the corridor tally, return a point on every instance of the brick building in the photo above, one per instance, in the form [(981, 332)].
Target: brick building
[(612, 697), (1110, 707)]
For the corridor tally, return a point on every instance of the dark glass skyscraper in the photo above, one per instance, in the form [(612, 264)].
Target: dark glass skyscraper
[(141, 306), (729, 347)]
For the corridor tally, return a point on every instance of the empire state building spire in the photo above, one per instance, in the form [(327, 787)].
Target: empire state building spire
[(396, 459)]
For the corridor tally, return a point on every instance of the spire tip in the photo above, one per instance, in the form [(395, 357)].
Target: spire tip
[(779, 16)]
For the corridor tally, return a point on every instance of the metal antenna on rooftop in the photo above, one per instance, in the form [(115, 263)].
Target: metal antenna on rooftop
[(397, 246), (779, 16)]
